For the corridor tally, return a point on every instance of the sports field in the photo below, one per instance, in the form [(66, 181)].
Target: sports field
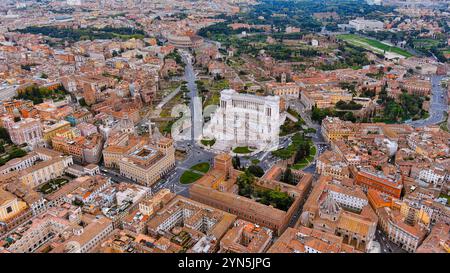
[(373, 45)]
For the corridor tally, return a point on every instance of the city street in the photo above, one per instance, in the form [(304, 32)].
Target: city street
[(195, 154), (386, 245), (438, 105)]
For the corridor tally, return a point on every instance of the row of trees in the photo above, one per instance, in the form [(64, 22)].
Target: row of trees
[(318, 114), (15, 152), (351, 105), (299, 149), (75, 35), (175, 55), (38, 94)]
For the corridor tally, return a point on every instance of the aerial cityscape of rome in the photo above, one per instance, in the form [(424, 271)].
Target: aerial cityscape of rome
[(224, 126)]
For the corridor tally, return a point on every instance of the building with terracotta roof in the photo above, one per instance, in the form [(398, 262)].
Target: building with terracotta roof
[(340, 210), (438, 241), (283, 89), (324, 98), (405, 234), (246, 237), (51, 128), (369, 178), (332, 164), (10, 206), (307, 240), (80, 233), (194, 226), (118, 145), (28, 130), (46, 165), (218, 188), (83, 149), (335, 128)]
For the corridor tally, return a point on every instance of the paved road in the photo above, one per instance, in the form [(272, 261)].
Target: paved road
[(195, 154), (438, 105), (386, 245), (196, 102)]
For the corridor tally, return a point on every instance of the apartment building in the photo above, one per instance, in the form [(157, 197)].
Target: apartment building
[(119, 145), (246, 237), (307, 240), (332, 164), (206, 225)]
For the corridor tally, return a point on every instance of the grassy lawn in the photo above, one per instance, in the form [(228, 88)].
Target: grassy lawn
[(207, 142), (255, 161), (425, 43), (242, 150), (306, 161), (188, 177), (299, 166), (372, 45), (201, 167), (312, 153)]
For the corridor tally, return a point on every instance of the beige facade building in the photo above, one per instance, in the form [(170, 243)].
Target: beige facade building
[(147, 164), (218, 188), (118, 145), (342, 209), (324, 98), (331, 164), (205, 225), (407, 235), (53, 166), (43, 165), (10, 206)]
